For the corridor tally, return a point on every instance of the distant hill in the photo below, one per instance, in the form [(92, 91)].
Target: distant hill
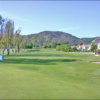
[(96, 40), (56, 36), (88, 40)]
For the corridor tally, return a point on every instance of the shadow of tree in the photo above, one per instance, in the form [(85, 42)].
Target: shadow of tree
[(36, 50), (36, 61), (38, 55)]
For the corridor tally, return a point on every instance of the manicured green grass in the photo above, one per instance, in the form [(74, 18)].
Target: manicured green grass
[(49, 74)]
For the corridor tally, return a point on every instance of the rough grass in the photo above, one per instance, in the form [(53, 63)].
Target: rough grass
[(49, 74)]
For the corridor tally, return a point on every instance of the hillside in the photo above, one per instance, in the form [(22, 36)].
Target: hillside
[(55, 37), (88, 40), (96, 40)]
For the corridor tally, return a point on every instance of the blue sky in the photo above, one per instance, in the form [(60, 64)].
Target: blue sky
[(79, 18)]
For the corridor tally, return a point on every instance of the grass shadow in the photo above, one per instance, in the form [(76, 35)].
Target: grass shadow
[(38, 55), (36, 50), (36, 61)]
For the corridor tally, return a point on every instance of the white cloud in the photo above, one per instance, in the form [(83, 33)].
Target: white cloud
[(17, 18), (69, 29)]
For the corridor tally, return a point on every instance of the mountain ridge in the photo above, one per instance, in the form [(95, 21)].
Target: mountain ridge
[(59, 37)]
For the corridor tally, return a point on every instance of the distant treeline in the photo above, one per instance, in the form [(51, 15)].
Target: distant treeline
[(11, 39)]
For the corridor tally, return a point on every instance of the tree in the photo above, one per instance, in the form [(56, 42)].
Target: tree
[(94, 48), (2, 36), (1, 26), (9, 34), (35, 42), (74, 49), (28, 43), (18, 41), (3, 43), (9, 40), (1, 23)]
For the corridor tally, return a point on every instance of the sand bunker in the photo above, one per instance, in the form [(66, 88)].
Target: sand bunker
[(96, 62)]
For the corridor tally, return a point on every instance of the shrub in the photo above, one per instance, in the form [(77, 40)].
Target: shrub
[(74, 49), (63, 47), (98, 51), (57, 47), (93, 47)]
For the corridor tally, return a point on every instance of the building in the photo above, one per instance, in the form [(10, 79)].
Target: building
[(98, 46), (84, 47), (79, 47)]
